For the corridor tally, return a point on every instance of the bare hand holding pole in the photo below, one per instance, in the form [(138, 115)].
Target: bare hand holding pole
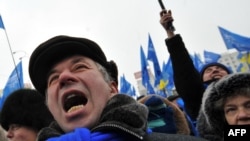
[(169, 25)]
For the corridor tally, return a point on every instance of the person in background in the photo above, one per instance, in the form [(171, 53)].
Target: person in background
[(23, 114), (178, 101), (164, 116), (225, 102), (189, 82), (81, 89)]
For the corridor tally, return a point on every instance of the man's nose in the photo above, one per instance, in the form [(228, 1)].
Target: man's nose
[(215, 70), (66, 77), (9, 134)]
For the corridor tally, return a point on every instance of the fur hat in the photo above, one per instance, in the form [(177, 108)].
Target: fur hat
[(25, 107), (214, 64), (211, 117), (47, 54)]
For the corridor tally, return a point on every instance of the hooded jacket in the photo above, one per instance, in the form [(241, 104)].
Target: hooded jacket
[(211, 119), (122, 115)]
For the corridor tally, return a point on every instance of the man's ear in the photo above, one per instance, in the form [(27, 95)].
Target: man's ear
[(114, 87)]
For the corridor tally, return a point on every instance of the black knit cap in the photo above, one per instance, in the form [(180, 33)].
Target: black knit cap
[(47, 54), (25, 107), (213, 64)]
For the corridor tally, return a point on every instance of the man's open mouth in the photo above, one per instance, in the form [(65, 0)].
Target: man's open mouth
[(73, 102)]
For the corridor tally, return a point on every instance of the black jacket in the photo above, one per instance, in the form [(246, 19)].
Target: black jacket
[(187, 79), (131, 122)]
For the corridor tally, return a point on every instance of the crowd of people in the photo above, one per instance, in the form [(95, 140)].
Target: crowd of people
[(76, 97)]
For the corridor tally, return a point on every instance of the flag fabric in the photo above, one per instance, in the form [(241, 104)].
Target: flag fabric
[(211, 57), (163, 83), (248, 59), (241, 68), (153, 57), (198, 64), (144, 73), (133, 92), (167, 82), (1, 23), (150, 88), (14, 82), (126, 87), (164, 79), (168, 69), (235, 41), (243, 58)]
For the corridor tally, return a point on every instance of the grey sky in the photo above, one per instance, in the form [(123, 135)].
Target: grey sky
[(118, 26)]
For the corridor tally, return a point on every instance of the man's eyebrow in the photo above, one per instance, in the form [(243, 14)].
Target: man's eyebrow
[(78, 59)]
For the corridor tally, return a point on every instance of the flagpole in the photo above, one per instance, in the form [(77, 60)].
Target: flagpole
[(16, 69), (11, 52)]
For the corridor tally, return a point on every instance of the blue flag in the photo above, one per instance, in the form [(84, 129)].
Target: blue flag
[(198, 64), (14, 82), (168, 68), (153, 57), (1, 23), (211, 57), (235, 41), (126, 87), (144, 73)]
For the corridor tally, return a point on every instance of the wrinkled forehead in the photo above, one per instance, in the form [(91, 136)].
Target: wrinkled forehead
[(237, 99)]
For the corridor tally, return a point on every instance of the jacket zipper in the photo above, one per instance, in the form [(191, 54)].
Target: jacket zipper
[(120, 127)]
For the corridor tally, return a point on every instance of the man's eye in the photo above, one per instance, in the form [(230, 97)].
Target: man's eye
[(52, 79), (230, 110), (80, 66), (208, 70), (14, 126), (248, 104)]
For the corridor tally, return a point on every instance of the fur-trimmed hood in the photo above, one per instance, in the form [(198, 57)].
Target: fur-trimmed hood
[(211, 119)]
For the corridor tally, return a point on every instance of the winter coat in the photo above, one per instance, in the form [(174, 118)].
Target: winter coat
[(211, 120), (187, 79), (122, 115)]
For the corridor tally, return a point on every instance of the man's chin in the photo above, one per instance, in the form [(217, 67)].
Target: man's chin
[(217, 77), (210, 81)]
